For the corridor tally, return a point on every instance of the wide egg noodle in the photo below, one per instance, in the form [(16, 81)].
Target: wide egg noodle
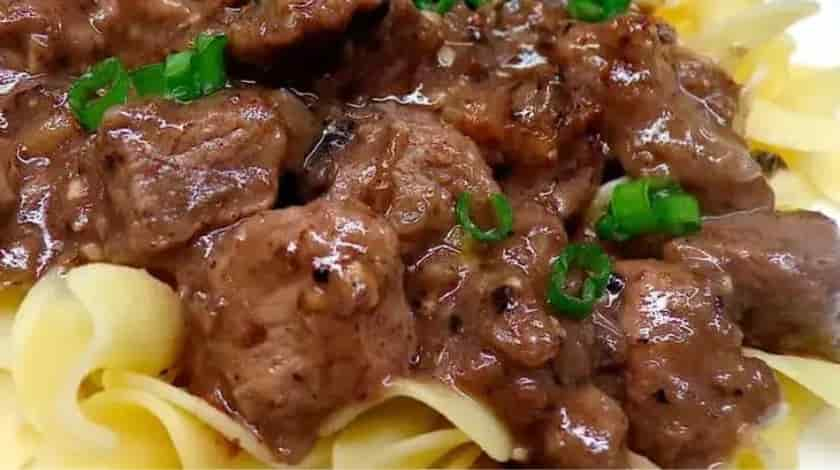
[(470, 416), (727, 40), (392, 432), (17, 441), (400, 433), (10, 300), (69, 326), (152, 433), (225, 426), (774, 125)]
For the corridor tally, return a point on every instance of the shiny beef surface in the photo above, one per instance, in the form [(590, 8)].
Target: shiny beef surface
[(295, 313), (780, 273), (305, 214)]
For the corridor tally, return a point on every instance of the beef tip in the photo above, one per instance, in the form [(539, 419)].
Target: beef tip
[(42, 36), (45, 35), (780, 273), (484, 325), (144, 32), (484, 72), (294, 314), (260, 30), (654, 125), (9, 177), (50, 195), (689, 390), (586, 430), (527, 85), (566, 189), (710, 84), (404, 164), (174, 171)]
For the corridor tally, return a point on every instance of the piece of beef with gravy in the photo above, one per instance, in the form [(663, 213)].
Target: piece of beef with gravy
[(51, 198), (261, 30), (689, 390), (403, 163), (527, 84), (174, 171), (41, 36), (295, 314), (781, 275)]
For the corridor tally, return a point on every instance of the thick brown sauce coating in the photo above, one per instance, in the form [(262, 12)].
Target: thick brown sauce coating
[(297, 311)]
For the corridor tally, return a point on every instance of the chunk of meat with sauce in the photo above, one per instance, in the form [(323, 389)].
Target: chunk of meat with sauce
[(689, 390), (40, 36), (527, 84), (295, 314), (781, 272), (654, 124), (262, 29), (484, 325), (173, 171), (143, 32), (403, 163), (69, 35), (9, 178), (586, 422), (50, 196)]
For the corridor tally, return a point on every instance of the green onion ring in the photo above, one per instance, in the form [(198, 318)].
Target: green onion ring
[(503, 212), (598, 266)]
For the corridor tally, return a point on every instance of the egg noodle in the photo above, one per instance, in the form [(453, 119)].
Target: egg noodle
[(85, 356)]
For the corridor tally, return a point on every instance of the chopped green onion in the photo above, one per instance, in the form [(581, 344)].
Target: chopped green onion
[(210, 67), (595, 11), (181, 83), (439, 6), (105, 85), (149, 80), (504, 218), (678, 213), (649, 205), (598, 266)]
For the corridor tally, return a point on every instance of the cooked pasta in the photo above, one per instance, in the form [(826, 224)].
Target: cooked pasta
[(118, 329)]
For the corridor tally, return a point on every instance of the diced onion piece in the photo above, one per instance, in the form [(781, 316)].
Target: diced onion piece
[(773, 125)]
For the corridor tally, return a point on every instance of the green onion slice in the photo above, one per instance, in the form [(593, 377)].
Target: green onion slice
[(598, 266), (678, 212), (179, 73), (503, 212), (149, 80), (646, 206), (105, 85), (438, 6), (210, 69), (595, 11)]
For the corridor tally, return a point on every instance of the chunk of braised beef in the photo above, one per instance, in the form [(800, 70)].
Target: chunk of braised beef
[(280, 349), (174, 171), (42, 36), (779, 274), (689, 390), (260, 31), (406, 165), (50, 197)]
